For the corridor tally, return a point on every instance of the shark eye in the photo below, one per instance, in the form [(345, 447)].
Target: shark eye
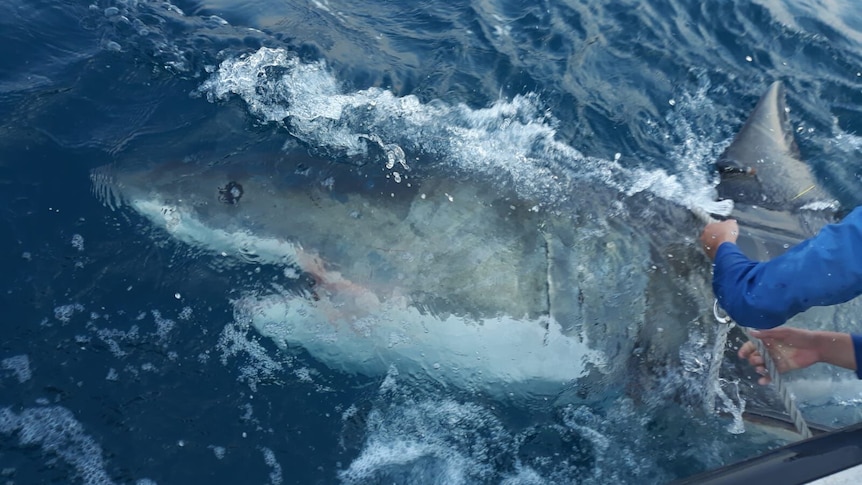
[(230, 193)]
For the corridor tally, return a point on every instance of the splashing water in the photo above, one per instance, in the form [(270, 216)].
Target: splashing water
[(515, 138)]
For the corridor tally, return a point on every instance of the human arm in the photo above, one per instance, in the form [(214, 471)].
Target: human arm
[(823, 270), (794, 348), (718, 233)]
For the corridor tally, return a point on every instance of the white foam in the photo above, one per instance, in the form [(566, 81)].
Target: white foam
[(428, 441), (56, 431), (113, 375), (848, 141), (113, 337), (19, 365), (235, 341), (218, 451), (821, 205), (514, 137), (163, 326), (414, 436), (185, 314), (78, 242), (275, 476), (378, 456), (64, 313)]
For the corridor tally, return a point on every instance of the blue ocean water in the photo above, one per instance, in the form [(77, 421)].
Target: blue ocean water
[(124, 359)]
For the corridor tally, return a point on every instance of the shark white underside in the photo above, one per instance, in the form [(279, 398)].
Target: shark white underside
[(349, 328), (482, 354)]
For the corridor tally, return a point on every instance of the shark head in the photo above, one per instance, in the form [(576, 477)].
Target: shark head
[(450, 277), (458, 277), (445, 275)]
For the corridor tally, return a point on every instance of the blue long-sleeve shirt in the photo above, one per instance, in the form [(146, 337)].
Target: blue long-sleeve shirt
[(823, 270)]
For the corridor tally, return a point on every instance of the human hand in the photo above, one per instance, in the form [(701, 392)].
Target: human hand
[(716, 233), (790, 348)]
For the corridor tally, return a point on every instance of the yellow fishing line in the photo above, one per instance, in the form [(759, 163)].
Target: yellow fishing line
[(800, 194)]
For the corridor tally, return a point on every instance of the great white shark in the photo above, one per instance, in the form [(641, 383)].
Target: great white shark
[(461, 278)]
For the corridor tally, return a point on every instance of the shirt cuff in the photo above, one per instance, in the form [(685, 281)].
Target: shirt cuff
[(742, 292), (857, 350)]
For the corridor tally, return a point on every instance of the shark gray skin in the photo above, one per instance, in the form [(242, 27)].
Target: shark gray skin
[(778, 201), (459, 278)]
